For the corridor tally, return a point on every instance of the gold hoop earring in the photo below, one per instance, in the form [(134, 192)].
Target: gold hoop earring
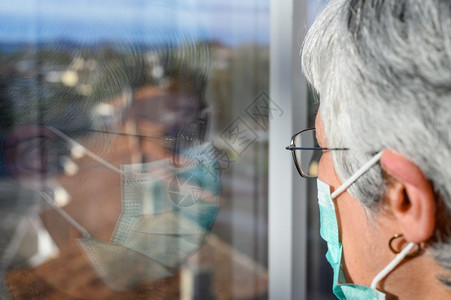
[(397, 236)]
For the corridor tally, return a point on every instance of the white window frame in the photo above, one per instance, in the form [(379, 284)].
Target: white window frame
[(287, 191)]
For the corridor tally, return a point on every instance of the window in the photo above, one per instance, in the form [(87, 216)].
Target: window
[(134, 149)]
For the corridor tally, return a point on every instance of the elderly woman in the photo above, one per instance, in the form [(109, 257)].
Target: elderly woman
[(382, 70)]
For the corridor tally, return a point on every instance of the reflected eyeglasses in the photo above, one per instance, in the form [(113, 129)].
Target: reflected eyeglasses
[(306, 152), (183, 145)]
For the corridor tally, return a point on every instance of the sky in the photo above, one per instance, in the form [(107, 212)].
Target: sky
[(231, 22)]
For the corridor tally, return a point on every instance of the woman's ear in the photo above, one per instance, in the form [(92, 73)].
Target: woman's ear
[(410, 197)]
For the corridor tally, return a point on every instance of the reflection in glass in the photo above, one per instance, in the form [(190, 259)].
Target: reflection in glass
[(114, 181)]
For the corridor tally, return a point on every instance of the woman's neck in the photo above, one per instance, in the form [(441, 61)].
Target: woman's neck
[(416, 278)]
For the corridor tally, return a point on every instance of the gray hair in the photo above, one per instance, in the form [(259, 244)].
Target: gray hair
[(382, 70)]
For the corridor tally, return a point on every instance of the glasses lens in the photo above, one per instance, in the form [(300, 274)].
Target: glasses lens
[(307, 158)]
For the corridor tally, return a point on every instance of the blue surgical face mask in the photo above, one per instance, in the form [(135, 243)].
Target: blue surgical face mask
[(166, 214), (329, 232)]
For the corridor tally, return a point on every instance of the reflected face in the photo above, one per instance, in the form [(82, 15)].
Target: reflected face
[(162, 114), (170, 109), (364, 244)]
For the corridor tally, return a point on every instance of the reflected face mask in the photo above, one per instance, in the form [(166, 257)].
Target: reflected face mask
[(329, 232), (166, 213)]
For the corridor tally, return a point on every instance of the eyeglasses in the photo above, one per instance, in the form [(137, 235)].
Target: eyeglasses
[(306, 152)]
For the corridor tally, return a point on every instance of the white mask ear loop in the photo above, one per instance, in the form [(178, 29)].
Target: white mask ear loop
[(89, 153), (85, 150), (392, 264), (357, 174), (65, 215)]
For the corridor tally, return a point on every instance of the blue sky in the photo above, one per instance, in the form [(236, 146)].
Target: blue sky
[(232, 22)]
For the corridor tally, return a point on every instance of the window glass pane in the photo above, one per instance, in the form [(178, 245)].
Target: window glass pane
[(134, 149)]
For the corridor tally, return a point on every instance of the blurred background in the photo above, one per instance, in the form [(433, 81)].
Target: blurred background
[(89, 88)]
